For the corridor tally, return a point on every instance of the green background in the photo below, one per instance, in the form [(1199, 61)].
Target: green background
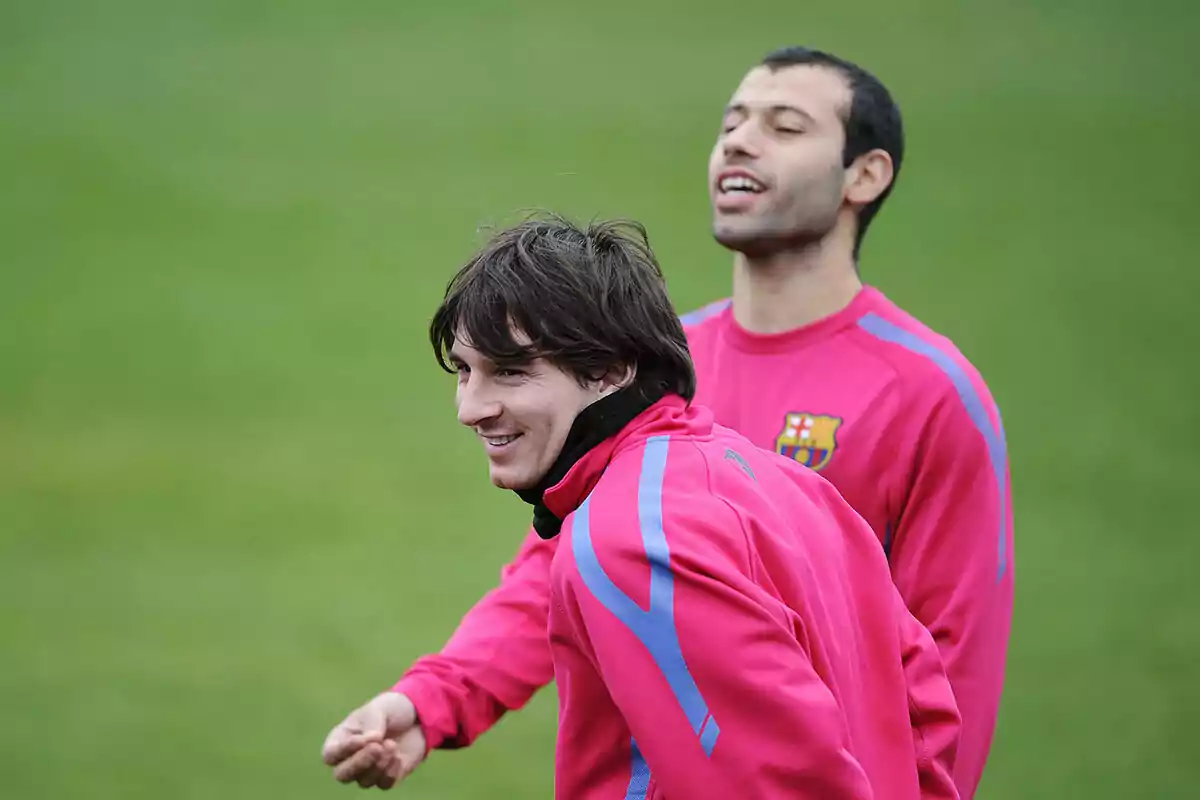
[(234, 501)]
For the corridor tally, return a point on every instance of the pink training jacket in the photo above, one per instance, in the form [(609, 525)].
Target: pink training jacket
[(723, 624), (885, 409)]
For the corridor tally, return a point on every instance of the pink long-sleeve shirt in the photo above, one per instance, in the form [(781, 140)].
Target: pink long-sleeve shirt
[(890, 413), (723, 624)]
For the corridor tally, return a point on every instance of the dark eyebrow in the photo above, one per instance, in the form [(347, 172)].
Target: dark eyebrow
[(795, 110), (775, 108), (498, 362), (523, 361)]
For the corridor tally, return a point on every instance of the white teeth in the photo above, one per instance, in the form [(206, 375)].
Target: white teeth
[(499, 441), (740, 183)]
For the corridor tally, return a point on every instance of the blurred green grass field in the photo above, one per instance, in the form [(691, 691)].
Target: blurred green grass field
[(234, 501)]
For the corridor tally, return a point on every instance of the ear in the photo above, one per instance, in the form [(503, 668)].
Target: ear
[(868, 177), (616, 379)]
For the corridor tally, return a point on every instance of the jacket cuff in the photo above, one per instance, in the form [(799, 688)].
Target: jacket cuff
[(434, 711)]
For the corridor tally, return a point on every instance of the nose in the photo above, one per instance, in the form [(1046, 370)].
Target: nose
[(475, 403), (742, 141)]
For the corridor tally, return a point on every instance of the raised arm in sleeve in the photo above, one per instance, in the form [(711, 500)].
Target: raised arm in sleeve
[(495, 661)]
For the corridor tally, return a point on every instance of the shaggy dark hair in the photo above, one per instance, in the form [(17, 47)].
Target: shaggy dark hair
[(589, 299)]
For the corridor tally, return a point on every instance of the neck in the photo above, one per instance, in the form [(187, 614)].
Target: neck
[(791, 288), (597, 423)]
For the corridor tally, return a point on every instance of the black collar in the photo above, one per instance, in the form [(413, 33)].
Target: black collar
[(601, 420)]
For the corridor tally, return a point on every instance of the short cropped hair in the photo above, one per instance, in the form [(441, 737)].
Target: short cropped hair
[(872, 122), (590, 299)]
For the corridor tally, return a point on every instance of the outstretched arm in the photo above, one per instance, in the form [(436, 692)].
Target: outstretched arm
[(496, 660)]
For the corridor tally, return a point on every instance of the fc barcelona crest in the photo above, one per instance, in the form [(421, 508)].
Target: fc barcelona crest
[(809, 438)]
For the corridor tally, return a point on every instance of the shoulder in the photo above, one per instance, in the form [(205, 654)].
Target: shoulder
[(929, 368), (665, 499), (706, 312), (699, 322), (943, 396)]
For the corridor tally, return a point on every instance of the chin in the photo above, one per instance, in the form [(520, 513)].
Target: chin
[(505, 479), (740, 239), (502, 482), (763, 242)]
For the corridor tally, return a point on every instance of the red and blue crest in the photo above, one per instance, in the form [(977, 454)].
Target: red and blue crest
[(809, 439)]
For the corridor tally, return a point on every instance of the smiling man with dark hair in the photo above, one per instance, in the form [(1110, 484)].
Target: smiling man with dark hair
[(721, 623)]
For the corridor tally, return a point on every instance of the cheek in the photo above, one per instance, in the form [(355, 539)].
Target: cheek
[(815, 183), (458, 402), (571, 401), (540, 417), (714, 164)]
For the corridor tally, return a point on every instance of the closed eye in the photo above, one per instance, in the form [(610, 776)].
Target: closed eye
[(731, 121)]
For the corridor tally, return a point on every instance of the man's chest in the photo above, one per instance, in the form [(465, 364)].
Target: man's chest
[(833, 417)]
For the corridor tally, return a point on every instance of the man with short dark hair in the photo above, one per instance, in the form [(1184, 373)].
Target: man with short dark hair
[(722, 623), (806, 360)]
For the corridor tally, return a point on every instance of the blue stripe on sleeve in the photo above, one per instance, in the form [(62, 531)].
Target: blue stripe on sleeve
[(703, 313), (994, 436), (655, 627), (708, 735), (639, 775)]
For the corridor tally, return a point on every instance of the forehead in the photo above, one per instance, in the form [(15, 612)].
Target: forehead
[(463, 349), (461, 345), (821, 92)]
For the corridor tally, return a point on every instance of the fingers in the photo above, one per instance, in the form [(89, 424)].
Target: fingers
[(405, 763), (358, 764), (359, 753), (361, 727), (342, 744), (379, 770), (390, 767), (400, 766), (393, 775), (387, 770)]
